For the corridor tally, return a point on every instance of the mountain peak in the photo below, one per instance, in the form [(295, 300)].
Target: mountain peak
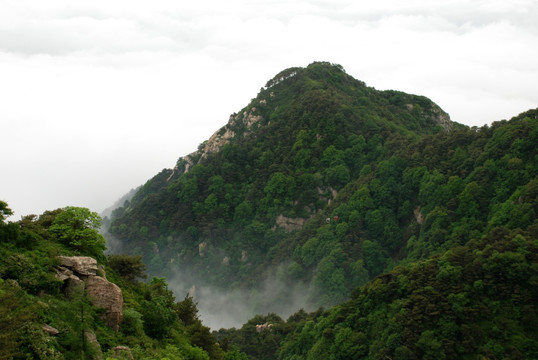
[(319, 91)]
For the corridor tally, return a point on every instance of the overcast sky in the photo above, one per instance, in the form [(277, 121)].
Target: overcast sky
[(98, 96)]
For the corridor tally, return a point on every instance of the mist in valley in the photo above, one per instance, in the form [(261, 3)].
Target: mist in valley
[(223, 308), (219, 307)]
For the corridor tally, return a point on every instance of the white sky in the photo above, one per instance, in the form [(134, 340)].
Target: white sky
[(98, 96)]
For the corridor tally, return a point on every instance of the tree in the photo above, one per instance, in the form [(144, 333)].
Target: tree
[(77, 227), (186, 310), (128, 267), (5, 212), (158, 317), (374, 260)]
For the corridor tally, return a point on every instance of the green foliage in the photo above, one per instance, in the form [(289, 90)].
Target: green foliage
[(31, 297), (132, 323), (15, 317), (128, 267), (157, 316), (451, 306), (78, 228), (329, 184), (187, 311), (5, 211)]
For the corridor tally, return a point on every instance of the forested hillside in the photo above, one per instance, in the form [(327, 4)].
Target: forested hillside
[(320, 184), (386, 230), (59, 297), (473, 301)]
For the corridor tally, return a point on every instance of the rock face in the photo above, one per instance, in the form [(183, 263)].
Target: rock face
[(50, 330), (221, 137), (106, 295), (289, 224), (83, 265), (80, 272), (418, 215), (119, 350)]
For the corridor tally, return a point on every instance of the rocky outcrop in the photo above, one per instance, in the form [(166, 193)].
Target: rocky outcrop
[(289, 224), (82, 265), (79, 273), (92, 343), (50, 330), (119, 350), (223, 136), (263, 327), (442, 118), (419, 217), (217, 141), (108, 296), (437, 115)]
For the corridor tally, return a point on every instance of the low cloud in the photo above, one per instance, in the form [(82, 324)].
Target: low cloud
[(221, 308), (116, 91)]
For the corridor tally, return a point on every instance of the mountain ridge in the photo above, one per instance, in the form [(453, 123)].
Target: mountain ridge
[(325, 184), (240, 124)]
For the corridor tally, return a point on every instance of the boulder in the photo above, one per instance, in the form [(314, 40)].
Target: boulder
[(419, 217), (79, 273), (108, 296), (91, 339), (50, 330), (63, 273), (73, 286), (118, 350), (82, 265)]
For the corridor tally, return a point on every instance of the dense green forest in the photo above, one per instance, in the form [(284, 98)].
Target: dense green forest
[(41, 319), (322, 183), (475, 301), (386, 230)]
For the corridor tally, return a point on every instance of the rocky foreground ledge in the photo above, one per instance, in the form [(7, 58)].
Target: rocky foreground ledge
[(81, 272)]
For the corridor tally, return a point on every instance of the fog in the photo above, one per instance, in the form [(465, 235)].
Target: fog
[(220, 308), (226, 308), (99, 96)]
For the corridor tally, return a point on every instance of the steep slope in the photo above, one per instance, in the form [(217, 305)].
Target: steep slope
[(276, 164), (474, 297), (60, 299), (473, 301), (319, 185)]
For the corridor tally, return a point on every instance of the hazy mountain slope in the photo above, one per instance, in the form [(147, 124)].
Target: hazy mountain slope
[(475, 297), (249, 209), (473, 301)]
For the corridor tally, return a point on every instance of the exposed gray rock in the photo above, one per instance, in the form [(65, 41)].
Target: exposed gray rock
[(118, 350), (418, 215), (201, 248), (50, 330), (73, 286), (79, 273), (108, 296), (92, 342), (63, 273), (289, 224), (83, 265)]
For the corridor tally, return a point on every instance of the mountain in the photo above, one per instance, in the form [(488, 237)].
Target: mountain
[(319, 185), (473, 301)]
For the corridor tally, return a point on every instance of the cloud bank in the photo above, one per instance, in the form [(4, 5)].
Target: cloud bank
[(99, 96)]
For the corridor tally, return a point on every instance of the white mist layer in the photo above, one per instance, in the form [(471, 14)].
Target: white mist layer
[(220, 308)]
